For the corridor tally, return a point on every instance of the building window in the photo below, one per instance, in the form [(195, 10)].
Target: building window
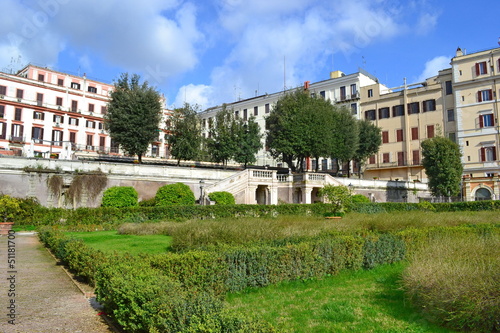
[(398, 110), (102, 143), (342, 93), (60, 82), (59, 101), (488, 154), (2, 111), (75, 85), (37, 134), (255, 110), (90, 124), (399, 135), (383, 113), (39, 99), (370, 93), (236, 115), (481, 68), (90, 141), (73, 121), (18, 114), (38, 115), (386, 158), (3, 90), (354, 91), (322, 94), (401, 158), (57, 137), (354, 108), (74, 106), (448, 88), (430, 131), (17, 132), (72, 137), (451, 115), (245, 114), (385, 136), (267, 108), (58, 119), (486, 120), (92, 90), (429, 105), (414, 133), (416, 157), (19, 93), (91, 107), (104, 109), (413, 108), (484, 95), (3, 131), (370, 115), (453, 137), (41, 77), (371, 160)]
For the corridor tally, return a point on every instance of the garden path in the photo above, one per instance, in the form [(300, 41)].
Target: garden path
[(46, 299)]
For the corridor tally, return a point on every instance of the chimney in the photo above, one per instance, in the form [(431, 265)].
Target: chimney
[(306, 85), (459, 52)]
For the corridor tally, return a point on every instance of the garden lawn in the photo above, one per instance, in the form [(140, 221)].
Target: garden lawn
[(353, 301), (110, 241)]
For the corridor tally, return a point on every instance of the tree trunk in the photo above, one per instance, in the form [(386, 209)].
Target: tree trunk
[(139, 158)]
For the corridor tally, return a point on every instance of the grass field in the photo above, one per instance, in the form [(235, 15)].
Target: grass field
[(109, 241), (359, 301)]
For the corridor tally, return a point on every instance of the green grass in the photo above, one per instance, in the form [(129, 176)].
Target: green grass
[(110, 241), (353, 301)]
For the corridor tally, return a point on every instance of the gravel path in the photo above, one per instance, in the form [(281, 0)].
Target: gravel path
[(46, 299)]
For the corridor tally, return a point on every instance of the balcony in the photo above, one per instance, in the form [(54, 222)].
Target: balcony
[(16, 139)]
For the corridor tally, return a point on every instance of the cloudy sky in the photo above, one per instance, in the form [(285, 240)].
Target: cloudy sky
[(214, 51)]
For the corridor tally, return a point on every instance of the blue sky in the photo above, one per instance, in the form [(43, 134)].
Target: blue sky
[(214, 51)]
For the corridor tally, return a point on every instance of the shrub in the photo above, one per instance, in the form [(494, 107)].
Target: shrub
[(222, 198), (339, 197), (456, 281), (174, 194), (119, 197), (359, 198), (9, 208)]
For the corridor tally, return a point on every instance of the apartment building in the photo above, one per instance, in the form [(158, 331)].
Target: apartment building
[(476, 90), (341, 89), (45, 113), (407, 115)]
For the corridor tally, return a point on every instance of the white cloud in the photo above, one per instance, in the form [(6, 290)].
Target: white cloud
[(129, 34), (201, 95), (426, 23), (433, 66)]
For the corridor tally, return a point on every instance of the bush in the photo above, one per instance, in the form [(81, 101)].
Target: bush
[(359, 198), (339, 197), (119, 197), (147, 203), (9, 208), (222, 198), (456, 281), (174, 194)]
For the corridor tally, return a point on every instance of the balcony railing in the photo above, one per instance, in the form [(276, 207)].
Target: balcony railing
[(16, 139)]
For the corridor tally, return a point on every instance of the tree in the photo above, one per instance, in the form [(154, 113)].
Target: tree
[(441, 159), (300, 126), (222, 141), (134, 114), (248, 141), (185, 133), (345, 138), (370, 140), (339, 197)]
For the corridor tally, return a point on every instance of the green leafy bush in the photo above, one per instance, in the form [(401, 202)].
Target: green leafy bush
[(174, 194), (119, 197), (9, 208), (339, 197), (359, 198), (148, 203), (222, 198)]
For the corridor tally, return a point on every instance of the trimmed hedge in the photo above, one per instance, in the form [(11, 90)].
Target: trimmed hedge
[(174, 194), (119, 197), (222, 198)]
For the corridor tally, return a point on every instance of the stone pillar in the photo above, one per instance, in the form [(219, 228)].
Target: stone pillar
[(273, 195), (306, 195), (251, 195)]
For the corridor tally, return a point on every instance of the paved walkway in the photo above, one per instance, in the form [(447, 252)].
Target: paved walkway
[(45, 300)]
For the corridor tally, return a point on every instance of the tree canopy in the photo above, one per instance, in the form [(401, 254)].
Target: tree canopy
[(370, 139), (248, 140), (222, 141), (134, 114), (441, 159), (184, 138)]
